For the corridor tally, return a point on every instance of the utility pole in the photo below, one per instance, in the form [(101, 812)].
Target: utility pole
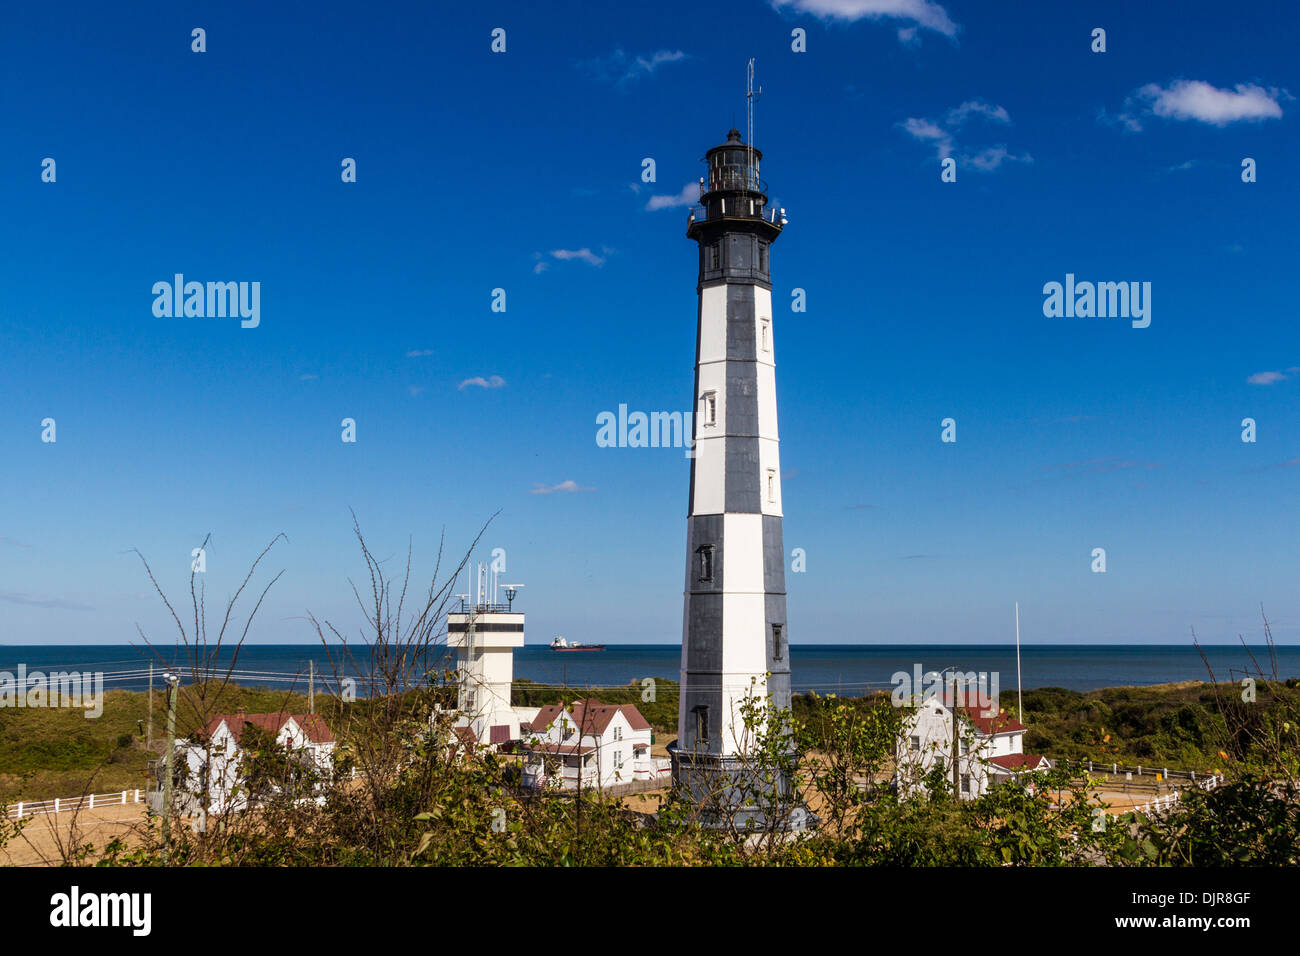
[(956, 768), (148, 739), (577, 797), (311, 687), (172, 680)]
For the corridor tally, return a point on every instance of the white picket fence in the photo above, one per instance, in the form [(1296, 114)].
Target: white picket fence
[(1169, 799), (31, 808), (90, 801)]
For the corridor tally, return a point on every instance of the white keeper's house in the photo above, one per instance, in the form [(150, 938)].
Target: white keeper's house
[(219, 753), (990, 748), (602, 745)]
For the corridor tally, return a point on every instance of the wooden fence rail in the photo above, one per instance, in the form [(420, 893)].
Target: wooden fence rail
[(1115, 769)]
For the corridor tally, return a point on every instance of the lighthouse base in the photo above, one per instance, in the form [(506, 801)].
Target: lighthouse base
[(733, 793)]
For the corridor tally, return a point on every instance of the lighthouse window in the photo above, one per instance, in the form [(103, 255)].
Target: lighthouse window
[(709, 410), (771, 484), (701, 724), (762, 257), (778, 649), (706, 562), (765, 325), (713, 251)]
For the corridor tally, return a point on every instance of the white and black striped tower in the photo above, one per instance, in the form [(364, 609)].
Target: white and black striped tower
[(734, 640)]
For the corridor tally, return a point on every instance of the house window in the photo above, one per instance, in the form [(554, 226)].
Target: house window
[(965, 783), (765, 334), (618, 733), (916, 744), (706, 562), (778, 644), (709, 408), (701, 724), (771, 484), (469, 700), (618, 759)]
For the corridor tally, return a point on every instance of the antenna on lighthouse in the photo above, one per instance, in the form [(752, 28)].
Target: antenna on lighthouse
[(750, 97)]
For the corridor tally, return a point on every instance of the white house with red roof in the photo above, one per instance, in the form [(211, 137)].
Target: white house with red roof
[(218, 755), (990, 746), (603, 745)]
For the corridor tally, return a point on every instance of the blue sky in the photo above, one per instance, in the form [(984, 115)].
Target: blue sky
[(522, 170)]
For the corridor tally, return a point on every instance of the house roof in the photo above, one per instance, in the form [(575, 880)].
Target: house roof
[(1019, 761), (1002, 723), (545, 717), (590, 716), (313, 726), (466, 734), (550, 748)]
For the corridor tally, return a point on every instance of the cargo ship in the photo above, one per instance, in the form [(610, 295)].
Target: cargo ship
[(560, 644)]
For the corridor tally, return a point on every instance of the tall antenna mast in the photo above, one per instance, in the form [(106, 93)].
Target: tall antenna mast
[(1020, 703), (750, 96)]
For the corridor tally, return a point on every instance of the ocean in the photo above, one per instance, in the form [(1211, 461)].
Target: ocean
[(849, 670)]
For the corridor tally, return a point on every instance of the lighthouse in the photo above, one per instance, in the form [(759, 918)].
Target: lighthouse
[(735, 642)]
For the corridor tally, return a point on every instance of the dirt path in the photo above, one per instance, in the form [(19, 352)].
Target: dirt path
[(38, 844)]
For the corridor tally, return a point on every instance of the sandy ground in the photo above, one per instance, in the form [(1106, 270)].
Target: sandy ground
[(38, 844)]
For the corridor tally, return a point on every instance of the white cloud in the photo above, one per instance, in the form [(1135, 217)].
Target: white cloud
[(1266, 378), (959, 114), (926, 130), (584, 254), (941, 134), (658, 59), (1199, 101), (987, 160), (921, 14), (620, 68), (419, 353), (494, 381), (565, 487), (689, 196)]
